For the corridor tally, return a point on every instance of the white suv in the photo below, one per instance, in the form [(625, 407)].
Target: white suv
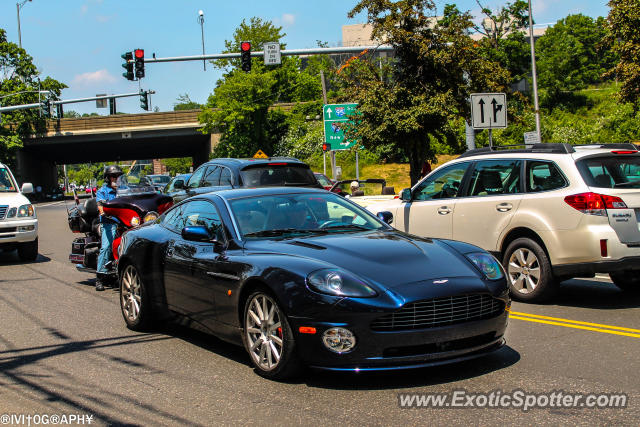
[(550, 212), (18, 220)]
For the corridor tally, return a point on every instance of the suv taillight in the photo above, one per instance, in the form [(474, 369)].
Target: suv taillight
[(594, 204)]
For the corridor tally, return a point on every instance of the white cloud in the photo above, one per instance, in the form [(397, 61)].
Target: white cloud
[(93, 78), (84, 9), (288, 19)]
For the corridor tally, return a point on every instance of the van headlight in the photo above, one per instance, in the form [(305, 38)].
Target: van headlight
[(25, 210), (487, 264)]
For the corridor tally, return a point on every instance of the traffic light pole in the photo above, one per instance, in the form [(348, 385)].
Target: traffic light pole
[(71, 101)]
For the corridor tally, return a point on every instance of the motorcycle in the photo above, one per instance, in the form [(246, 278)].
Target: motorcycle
[(137, 202)]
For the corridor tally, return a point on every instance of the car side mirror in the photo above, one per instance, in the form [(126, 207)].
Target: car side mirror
[(200, 233), (405, 195), (27, 188), (385, 216), (179, 184)]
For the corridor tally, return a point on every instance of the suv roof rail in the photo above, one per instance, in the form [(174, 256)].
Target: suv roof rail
[(619, 146), (554, 148)]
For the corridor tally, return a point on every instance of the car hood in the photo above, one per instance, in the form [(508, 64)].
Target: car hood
[(13, 200), (388, 258)]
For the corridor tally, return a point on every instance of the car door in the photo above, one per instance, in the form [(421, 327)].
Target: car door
[(492, 197), (433, 201), (192, 184)]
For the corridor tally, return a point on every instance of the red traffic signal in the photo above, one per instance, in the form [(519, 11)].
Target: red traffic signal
[(324, 147), (139, 62), (245, 47), (139, 53), (245, 56)]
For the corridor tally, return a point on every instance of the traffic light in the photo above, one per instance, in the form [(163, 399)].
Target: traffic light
[(245, 56), (45, 108), (325, 148), (139, 61), (128, 65), (144, 100)]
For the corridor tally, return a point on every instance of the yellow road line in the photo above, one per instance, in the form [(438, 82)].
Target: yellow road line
[(568, 325), (559, 319)]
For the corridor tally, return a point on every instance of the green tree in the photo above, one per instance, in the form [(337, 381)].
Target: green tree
[(19, 84), (623, 23), (178, 165), (437, 67), (185, 103), (568, 56)]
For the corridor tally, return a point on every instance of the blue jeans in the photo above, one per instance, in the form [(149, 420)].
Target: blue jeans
[(105, 254)]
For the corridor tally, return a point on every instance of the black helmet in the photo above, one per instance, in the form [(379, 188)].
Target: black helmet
[(112, 170)]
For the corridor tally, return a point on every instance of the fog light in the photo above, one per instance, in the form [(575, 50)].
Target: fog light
[(339, 340), (26, 228)]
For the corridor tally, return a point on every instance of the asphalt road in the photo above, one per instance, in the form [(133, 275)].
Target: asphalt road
[(64, 349)]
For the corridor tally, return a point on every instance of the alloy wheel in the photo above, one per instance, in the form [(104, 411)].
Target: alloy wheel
[(263, 330), (131, 295), (524, 270)]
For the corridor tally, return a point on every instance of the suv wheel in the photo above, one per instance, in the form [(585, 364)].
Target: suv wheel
[(628, 281), (528, 271), (28, 251)]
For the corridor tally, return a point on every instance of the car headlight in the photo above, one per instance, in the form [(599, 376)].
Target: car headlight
[(487, 264), (151, 216), (340, 283), (25, 210), (135, 221)]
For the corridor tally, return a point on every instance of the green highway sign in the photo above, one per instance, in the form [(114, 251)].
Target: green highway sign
[(335, 116)]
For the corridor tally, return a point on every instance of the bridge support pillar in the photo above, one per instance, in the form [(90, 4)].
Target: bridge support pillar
[(38, 171), (202, 154)]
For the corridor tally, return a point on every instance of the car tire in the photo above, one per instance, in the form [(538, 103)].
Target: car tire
[(528, 271), (627, 281), (28, 251), (276, 358), (134, 300)]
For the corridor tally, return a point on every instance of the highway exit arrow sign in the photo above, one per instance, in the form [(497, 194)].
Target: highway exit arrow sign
[(335, 117), (488, 110)]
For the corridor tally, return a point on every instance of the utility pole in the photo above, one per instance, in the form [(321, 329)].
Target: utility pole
[(533, 72), (18, 7), (201, 20)]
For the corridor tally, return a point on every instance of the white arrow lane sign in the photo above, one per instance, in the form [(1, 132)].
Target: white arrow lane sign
[(329, 111), (488, 110)]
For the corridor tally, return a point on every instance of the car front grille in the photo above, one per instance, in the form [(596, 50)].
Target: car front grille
[(437, 312), (3, 211)]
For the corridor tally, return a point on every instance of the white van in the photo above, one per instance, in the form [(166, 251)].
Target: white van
[(18, 220)]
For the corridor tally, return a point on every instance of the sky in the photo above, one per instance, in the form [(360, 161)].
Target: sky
[(79, 42)]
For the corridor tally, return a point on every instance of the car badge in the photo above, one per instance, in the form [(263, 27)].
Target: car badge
[(440, 282)]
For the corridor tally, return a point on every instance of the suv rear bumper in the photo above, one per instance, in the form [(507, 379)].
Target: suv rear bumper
[(589, 269)]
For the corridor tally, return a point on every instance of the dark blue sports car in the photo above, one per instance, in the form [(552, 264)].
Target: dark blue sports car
[(306, 277)]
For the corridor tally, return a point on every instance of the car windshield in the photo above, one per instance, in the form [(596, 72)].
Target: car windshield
[(278, 175), (611, 172), (290, 215), (323, 180), (134, 184), (7, 185)]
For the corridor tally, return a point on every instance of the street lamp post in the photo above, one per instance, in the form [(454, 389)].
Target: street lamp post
[(201, 20), (19, 5), (533, 72)]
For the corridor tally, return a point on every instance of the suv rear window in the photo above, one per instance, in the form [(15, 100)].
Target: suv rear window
[(611, 171), (281, 174)]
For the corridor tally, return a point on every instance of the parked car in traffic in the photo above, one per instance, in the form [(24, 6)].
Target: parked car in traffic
[(304, 277), (180, 179), (159, 181), (222, 174), (18, 218), (324, 180), (550, 212)]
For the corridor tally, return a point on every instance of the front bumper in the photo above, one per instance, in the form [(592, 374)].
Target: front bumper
[(13, 231), (404, 349)]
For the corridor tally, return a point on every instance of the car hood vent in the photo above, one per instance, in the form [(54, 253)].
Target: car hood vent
[(307, 245)]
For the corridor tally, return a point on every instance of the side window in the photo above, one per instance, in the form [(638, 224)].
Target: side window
[(443, 184), (211, 177), (201, 212), (195, 179), (225, 177), (543, 176), (172, 218), (495, 177)]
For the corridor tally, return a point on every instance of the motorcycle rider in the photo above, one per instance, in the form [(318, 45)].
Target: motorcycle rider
[(107, 192)]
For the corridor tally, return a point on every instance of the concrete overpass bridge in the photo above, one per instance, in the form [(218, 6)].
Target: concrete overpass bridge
[(111, 138)]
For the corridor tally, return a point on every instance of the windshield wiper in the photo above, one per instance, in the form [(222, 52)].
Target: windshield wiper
[(348, 227), (625, 184)]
